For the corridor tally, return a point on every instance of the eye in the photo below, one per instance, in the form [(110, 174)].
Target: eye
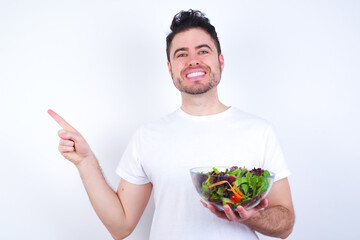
[(203, 52), (181, 55)]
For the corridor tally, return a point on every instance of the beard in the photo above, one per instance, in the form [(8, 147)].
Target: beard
[(197, 87)]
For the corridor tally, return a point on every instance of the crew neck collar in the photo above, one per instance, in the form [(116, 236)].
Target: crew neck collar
[(215, 116)]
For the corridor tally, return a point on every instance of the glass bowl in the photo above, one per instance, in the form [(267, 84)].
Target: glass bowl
[(243, 187)]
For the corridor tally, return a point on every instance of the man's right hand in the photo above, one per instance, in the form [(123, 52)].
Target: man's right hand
[(72, 145), (109, 205)]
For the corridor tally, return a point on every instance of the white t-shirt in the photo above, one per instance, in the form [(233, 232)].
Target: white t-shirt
[(162, 152)]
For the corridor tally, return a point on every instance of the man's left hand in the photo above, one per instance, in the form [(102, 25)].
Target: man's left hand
[(241, 215)]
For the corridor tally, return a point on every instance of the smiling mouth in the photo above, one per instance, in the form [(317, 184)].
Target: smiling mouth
[(195, 74)]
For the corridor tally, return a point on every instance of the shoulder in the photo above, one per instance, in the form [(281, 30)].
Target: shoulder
[(246, 118), (159, 125)]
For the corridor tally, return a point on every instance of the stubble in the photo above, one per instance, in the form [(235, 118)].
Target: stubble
[(198, 87)]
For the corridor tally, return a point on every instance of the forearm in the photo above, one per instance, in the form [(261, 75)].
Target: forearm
[(103, 198), (105, 201), (276, 221)]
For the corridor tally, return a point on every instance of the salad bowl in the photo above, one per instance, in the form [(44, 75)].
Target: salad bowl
[(233, 186)]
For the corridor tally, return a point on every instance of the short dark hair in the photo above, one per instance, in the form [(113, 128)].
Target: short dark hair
[(186, 20)]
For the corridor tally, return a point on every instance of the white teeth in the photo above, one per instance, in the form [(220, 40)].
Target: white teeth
[(195, 74)]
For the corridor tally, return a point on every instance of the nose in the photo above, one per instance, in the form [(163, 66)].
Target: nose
[(193, 61)]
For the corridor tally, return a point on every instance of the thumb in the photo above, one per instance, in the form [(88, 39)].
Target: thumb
[(67, 135)]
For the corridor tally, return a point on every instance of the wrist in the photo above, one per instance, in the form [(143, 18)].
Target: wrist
[(86, 162)]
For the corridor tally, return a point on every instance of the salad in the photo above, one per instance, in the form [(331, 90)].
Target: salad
[(235, 186)]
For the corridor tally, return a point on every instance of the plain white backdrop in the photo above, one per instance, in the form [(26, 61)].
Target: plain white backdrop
[(102, 66)]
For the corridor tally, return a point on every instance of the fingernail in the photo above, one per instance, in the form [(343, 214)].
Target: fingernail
[(61, 132)]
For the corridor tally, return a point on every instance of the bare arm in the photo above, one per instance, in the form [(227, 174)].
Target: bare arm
[(276, 220), (119, 211)]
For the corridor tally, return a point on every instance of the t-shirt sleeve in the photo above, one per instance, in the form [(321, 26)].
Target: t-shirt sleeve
[(129, 167), (273, 156)]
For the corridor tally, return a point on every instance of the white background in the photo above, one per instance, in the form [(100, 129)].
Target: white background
[(102, 66)]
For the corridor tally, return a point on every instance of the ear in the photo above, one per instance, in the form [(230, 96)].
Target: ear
[(169, 67), (221, 60)]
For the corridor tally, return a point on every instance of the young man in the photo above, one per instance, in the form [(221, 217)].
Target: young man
[(203, 132)]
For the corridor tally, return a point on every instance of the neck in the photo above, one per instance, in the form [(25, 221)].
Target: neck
[(202, 104)]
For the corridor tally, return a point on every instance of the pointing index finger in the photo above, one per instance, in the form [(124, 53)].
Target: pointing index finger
[(64, 124)]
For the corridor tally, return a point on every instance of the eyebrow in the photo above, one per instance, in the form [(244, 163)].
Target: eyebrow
[(203, 45), (197, 47), (179, 49)]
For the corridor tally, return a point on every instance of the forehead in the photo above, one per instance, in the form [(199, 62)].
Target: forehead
[(191, 38)]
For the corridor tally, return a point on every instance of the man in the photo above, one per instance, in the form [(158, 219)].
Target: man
[(203, 132)]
